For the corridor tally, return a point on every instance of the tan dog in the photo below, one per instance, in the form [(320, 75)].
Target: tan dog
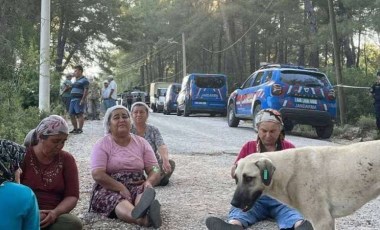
[(323, 183)]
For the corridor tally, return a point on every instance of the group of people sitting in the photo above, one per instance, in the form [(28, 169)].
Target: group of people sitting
[(126, 164)]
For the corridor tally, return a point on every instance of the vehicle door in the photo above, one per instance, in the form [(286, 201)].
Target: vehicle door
[(247, 94), (182, 94)]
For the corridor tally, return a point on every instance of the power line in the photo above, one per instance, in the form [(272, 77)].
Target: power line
[(245, 33)]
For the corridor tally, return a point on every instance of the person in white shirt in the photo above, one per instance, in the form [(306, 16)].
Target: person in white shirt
[(113, 91), (105, 96)]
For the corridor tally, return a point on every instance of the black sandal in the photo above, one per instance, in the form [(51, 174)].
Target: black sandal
[(146, 200), (214, 223), (154, 214), (305, 225)]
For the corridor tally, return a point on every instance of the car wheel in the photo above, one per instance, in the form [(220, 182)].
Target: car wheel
[(324, 132), (232, 120), (186, 111), (255, 111), (288, 125), (154, 108)]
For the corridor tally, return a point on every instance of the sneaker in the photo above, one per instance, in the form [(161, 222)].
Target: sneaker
[(214, 223), (73, 131), (154, 214), (305, 225), (145, 201)]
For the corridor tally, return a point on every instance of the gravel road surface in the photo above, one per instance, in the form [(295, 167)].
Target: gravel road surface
[(204, 149)]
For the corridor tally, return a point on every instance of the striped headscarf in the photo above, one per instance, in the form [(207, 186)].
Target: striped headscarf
[(11, 156)]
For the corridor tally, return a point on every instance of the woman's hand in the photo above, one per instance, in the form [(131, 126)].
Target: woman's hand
[(126, 194), (166, 166), (147, 184), (47, 217)]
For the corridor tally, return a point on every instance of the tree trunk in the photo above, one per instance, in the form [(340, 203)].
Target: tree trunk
[(142, 82), (176, 66), (219, 68), (281, 43), (338, 71), (301, 55), (348, 53), (358, 53), (313, 28), (232, 59)]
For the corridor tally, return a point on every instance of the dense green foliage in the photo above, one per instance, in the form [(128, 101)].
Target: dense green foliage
[(139, 41)]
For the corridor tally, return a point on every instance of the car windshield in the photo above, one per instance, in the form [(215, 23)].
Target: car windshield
[(161, 92), (307, 79), (209, 81), (176, 89)]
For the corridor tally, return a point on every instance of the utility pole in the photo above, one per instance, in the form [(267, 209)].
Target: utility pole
[(183, 55), (44, 81), (338, 71)]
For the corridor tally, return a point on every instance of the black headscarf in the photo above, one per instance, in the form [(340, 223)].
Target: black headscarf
[(11, 156)]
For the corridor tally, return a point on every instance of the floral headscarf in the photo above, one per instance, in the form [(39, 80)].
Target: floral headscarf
[(49, 126), (11, 156), (274, 116)]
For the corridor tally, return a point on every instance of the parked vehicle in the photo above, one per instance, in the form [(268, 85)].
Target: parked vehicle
[(170, 103), (128, 97), (302, 95), (203, 93), (157, 95)]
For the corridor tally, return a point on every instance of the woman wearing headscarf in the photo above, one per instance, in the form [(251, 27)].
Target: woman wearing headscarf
[(52, 174), (270, 137), (17, 212), (118, 163), (140, 114)]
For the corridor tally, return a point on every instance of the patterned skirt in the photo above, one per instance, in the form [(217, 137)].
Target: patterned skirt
[(104, 201)]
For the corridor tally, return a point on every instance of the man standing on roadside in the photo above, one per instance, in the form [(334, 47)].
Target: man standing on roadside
[(93, 98), (375, 91), (79, 93), (105, 96), (113, 91)]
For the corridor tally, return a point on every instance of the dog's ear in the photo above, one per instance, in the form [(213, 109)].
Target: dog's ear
[(266, 170)]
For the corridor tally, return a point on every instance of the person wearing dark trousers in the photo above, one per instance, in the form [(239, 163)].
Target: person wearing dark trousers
[(375, 91)]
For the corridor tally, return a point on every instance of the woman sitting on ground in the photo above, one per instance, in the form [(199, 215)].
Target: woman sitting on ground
[(140, 114), (118, 162), (18, 204), (52, 174), (270, 138)]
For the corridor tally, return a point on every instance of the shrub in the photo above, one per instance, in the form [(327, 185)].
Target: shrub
[(366, 123), (15, 123)]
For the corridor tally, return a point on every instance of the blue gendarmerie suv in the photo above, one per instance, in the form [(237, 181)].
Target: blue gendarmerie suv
[(302, 95)]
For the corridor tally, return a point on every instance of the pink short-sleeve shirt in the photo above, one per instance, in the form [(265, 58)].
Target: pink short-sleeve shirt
[(134, 157)]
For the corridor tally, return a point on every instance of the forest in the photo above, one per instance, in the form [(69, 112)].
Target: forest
[(141, 41)]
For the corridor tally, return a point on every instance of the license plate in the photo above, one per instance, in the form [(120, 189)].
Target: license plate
[(306, 100)]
